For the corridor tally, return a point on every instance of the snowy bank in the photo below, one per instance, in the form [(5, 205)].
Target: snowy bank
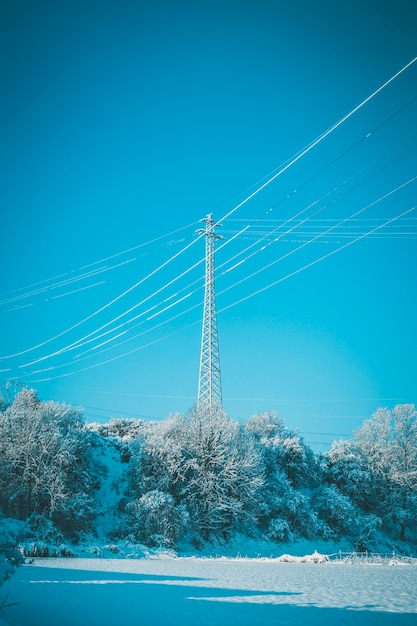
[(308, 558)]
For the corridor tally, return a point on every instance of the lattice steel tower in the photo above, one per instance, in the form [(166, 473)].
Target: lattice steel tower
[(209, 383)]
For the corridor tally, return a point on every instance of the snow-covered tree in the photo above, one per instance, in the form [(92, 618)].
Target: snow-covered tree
[(387, 444), (378, 469), (350, 472), (157, 458), (342, 517), (284, 449), (46, 462), (224, 474), (205, 463), (290, 470), (154, 510)]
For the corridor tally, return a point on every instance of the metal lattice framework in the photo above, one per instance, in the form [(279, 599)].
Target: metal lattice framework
[(209, 384)]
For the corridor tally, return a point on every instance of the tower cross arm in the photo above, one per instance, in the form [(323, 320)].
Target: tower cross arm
[(210, 226)]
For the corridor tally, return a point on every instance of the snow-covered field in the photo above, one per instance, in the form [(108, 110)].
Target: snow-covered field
[(185, 591)]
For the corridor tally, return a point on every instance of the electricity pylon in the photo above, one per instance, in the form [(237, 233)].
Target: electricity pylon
[(209, 383)]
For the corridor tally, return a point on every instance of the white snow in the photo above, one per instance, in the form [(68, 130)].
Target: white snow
[(202, 591)]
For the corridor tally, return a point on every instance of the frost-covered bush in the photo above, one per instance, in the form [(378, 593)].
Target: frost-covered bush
[(43, 530), (123, 429), (349, 472), (342, 516), (122, 432), (41, 538), (76, 515), (294, 507), (336, 510), (301, 516), (155, 520), (10, 556), (279, 531), (39, 549)]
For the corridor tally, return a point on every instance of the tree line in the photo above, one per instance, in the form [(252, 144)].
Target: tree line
[(201, 478)]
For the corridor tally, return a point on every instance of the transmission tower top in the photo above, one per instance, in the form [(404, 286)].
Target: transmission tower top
[(209, 384)]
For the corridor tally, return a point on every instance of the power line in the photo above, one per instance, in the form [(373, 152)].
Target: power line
[(65, 283), (103, 260), (315, 238), (101, 309), (322, 258), (79, 342), (134, 350), (253, 274), (82, 341), (284, 168), (319, 139), (290, 220), (136, 415)]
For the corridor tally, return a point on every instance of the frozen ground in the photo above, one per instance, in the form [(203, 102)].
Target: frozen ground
[(185, 591)]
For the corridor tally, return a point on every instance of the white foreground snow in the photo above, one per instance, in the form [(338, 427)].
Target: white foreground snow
[(203, 592)]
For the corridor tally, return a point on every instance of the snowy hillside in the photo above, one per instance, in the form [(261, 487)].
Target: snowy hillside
[(202, 484)]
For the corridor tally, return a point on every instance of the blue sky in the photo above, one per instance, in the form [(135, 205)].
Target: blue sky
[(123, 124)]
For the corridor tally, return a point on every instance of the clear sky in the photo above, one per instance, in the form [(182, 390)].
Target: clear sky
[(123, 124)]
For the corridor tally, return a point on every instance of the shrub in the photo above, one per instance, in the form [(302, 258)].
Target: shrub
[(10, 556), (279, 531), (155, 520)]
